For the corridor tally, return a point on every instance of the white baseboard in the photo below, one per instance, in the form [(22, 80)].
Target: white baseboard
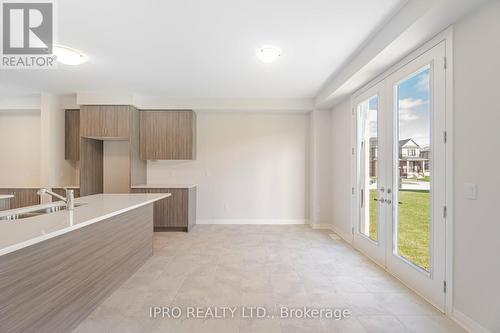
[(250, 221), (468, 323)]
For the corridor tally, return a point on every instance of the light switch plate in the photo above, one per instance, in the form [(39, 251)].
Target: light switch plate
[(470, 191)]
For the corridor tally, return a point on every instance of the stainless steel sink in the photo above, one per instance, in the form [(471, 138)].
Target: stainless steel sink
[(36, 212), (20, 216)]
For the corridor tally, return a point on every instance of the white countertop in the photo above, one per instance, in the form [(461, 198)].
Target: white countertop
[(29, 187), (164, 186), (6, 196), (66, 186), (22, 187), (18, 234)]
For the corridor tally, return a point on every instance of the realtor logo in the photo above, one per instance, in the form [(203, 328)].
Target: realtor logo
[(27, 34)]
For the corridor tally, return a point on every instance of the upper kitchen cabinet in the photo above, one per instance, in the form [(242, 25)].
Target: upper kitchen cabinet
[(105, 121), (109, 135), (72, 135), (167, 135)]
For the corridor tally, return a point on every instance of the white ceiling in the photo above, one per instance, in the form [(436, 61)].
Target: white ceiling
[(205, 49)]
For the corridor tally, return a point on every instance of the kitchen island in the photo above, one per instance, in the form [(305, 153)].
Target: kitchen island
[(56, 268)]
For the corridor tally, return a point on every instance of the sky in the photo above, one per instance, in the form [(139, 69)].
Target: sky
[(414, 109)]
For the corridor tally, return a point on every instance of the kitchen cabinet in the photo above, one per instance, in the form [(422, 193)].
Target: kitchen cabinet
[(62, 191), (72, 135), (167, 135), (23, 197), (177, 212), (4, 203), (106, 121)]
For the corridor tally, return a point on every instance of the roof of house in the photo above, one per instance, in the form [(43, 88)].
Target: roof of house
[(406, 141), (374, 142)]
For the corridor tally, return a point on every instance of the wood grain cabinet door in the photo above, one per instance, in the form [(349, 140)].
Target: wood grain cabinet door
[(105, 121), (23, 197), (172, 211), (167, 135), (72, 135), (4, 204)]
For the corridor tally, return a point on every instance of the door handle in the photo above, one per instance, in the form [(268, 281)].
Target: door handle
[(380, 200), (388, 201)]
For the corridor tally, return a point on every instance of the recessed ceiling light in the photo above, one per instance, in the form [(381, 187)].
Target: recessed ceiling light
[(268, 54), (69, 56)]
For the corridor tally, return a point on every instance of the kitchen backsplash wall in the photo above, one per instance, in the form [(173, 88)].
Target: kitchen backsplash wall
[(251, 167)]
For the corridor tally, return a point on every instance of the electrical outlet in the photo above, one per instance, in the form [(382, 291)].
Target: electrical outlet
[(470, 191)]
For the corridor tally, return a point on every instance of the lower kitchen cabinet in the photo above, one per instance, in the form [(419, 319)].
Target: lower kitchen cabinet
[(23, 197), (175, 213), (4, 204)]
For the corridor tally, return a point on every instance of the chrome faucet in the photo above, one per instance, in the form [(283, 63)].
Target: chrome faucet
[(69, 200)]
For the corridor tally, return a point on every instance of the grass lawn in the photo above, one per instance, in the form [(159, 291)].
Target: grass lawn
[(414, 224), (373, 215)]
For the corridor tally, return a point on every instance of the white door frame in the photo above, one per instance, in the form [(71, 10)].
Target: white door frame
[(373, 249), (430, 284), (447, 37)]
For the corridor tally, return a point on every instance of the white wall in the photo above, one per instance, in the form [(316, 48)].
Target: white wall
[(341, 169), (32, 144), (251, 167), (19, 147), (477, 143), (320, 168), (476, 291), (54, 169)]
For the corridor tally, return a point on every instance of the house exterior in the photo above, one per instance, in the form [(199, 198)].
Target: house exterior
[(414, 160)]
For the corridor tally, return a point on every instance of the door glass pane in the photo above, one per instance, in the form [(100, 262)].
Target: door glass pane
[(413, 217), (368, 167)]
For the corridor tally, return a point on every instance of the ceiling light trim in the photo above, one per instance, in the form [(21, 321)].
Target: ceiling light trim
[(69, 56), (268, 53)]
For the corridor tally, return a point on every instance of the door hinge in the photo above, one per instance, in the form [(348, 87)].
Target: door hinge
[(352, 151), (445, 63), (445, 211), (352, 190), (352, 230), (445, 137), (444, 287), (352, 111)]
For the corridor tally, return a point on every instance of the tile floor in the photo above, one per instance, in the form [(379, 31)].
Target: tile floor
[(269, 266)]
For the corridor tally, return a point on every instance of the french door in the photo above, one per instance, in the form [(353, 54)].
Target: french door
[(400, 174)]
